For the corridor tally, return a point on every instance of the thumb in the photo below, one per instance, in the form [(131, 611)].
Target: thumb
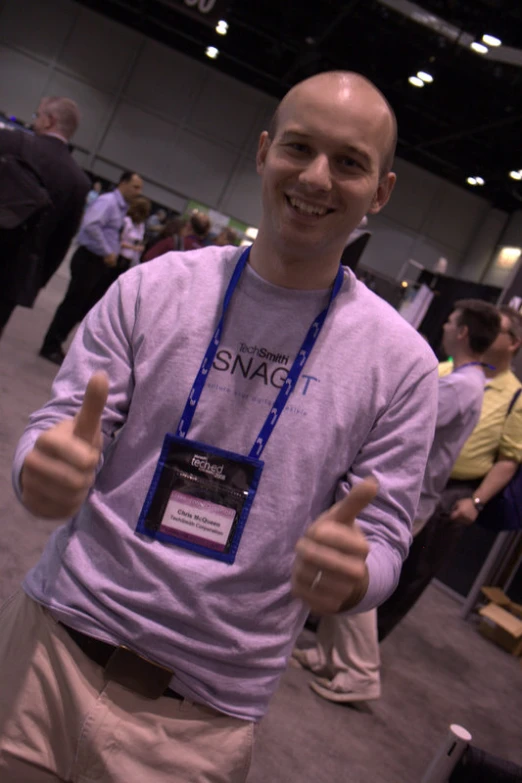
[(87, 420), (349, 508)]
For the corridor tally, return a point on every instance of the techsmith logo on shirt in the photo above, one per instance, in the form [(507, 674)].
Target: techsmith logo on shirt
[(255, 363), (201, 463), (264, 353)]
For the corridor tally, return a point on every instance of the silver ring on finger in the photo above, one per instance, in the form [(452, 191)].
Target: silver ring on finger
[(317, 579)]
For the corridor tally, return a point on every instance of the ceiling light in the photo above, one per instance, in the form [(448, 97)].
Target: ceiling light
[(479, 48), (416, 81), (426, 77), (508, 257), (515, 174), (491, 40), (479, 181), (404, 284), (472, 181), (212, 52), (222, 27)]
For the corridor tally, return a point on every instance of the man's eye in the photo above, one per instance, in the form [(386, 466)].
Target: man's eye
[(348, 163), (298, 147)]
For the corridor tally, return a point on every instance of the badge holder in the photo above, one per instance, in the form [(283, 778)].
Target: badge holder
[(200, 498)]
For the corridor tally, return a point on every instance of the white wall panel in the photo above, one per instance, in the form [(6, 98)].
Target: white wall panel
[(20, 93), (137, 140), (261, 123), (481, 251), (455, 216), (225, 110), (94, 106), (99, 50), (39, 26), (164, 196), (200, 168), (242, 198), (165, 81), (392, 244), (413, 196)]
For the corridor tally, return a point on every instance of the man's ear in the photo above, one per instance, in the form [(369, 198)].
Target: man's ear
[(383, 192), (262, 151), (515, 345), (463, 332)]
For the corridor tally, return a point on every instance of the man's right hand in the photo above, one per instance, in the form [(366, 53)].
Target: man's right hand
[(60, 470), (111, 259)]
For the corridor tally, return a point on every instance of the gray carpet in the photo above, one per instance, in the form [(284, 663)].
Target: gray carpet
[(436, 669)]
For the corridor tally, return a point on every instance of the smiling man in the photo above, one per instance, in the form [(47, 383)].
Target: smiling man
[(214, 474)]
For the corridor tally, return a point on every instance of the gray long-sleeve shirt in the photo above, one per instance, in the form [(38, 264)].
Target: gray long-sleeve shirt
[(460, 402), (366, 403)]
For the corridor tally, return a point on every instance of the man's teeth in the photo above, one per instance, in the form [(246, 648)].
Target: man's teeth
[(307, 208)]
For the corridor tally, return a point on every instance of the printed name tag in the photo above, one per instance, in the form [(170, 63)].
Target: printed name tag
[(200, 521), (200, 498)]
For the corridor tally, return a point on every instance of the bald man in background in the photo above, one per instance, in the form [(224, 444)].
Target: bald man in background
[(25, 270), (153, 632)]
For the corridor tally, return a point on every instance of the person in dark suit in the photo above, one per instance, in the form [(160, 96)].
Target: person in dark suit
[(47, 153)]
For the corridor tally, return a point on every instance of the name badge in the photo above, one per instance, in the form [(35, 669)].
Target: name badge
[(200, 498)]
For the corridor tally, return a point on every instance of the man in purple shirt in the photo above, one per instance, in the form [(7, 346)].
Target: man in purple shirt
[(153, 631), (99, 247)]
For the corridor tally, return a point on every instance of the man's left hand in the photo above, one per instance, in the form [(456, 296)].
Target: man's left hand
[(464, 511), (330, 571)]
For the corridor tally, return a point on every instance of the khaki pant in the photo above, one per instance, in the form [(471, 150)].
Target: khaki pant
[(347, 652), (61, 721)]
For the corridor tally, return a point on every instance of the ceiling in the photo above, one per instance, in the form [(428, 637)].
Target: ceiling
[(468, 122)]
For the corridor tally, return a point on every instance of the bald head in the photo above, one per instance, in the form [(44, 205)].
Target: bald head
[(64, 114), (345, 86)]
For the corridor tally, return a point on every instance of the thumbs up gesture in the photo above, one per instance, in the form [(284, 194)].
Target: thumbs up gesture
[(60, 470), (330, 571)]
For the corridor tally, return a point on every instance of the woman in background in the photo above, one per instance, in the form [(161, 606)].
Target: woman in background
[(132, 235)]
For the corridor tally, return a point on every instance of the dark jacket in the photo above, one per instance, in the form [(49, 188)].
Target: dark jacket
[(67, 186)]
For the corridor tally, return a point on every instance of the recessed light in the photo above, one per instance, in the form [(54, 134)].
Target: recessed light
[(426, 77), (515, 174), (479, 48), (491, 40), (222, 27), (416, 81), (212, 52), (479, 181), (472, 181)]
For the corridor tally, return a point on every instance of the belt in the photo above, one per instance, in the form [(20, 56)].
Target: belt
[(126, 667)]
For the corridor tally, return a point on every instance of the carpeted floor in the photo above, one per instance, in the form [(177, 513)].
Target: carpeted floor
[(436, 669)]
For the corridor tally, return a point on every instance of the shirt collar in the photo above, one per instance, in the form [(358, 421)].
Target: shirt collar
[(498, 382), (57, 136), (121, 201)]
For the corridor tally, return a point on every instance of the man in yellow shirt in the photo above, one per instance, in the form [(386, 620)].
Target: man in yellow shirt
[(486, 464)]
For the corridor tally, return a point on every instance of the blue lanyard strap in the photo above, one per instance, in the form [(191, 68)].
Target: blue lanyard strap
[(291, 380), (475, 364)]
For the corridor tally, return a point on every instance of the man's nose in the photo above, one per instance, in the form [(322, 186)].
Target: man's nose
[(317, 175)]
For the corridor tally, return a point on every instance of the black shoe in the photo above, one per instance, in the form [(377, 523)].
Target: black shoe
[(54, 355)]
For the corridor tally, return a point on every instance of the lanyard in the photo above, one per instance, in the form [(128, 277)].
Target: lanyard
[(475, 364), (293, 375)]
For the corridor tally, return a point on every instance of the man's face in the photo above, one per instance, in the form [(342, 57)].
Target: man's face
[(321, 171), (504, 347), (131, 189), (42, 121), (452, 333)]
